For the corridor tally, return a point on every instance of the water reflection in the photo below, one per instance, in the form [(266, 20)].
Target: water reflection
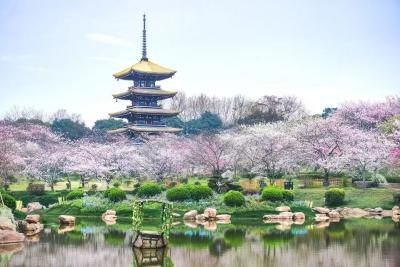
[(359, 242)]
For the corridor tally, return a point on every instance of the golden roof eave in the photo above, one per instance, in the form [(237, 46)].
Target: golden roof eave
[(144, 67), (144, 92)]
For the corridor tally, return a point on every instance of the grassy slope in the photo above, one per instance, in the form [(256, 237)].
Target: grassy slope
[(355, 198)]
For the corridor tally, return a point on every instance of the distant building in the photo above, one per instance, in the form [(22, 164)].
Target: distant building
[(145, 114)]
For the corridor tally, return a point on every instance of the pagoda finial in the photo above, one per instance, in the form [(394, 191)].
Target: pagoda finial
[(144, 47)]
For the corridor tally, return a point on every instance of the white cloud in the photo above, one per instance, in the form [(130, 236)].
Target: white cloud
[(107, 39)]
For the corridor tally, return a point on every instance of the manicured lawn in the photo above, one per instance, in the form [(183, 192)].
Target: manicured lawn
[(355, 198)]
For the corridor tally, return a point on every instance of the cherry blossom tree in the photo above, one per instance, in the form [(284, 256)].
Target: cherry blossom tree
[(266, 149)]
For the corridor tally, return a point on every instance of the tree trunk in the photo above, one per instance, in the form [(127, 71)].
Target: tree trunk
[(52, 187), (326, 178), (83, 182)]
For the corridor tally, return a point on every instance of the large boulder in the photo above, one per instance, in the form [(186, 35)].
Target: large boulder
[(66, 219), (353, 213), (282, 208), (201, 217), (299, 216), (34, 206), (334, 214), (32, 218), (109, 216), (9, 236), (30, 229), (6, 224), (396, 210), (321, 210), (286, 215), (321, 217), (190, 215), (210, 213)]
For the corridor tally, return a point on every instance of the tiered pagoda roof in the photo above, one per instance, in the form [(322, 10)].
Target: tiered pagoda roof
[(145, 115)]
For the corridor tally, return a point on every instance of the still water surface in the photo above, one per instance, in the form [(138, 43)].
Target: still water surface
[(359, 242)]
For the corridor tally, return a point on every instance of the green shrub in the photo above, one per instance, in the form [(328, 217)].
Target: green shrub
[(179, 193), (334, 197), (116, 184), (36, 189), (288, 195), (115, 194), (149, 190), (198, 192), (9, 200), (74, 194), (396, 197), (234, 198), (47, 199), (272, 193)]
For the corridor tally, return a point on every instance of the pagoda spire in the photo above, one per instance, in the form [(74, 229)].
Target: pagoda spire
[(144, 46)]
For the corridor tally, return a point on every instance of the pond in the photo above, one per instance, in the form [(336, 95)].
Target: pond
[(357, 242)]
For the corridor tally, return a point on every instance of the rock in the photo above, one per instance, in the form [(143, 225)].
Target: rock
[(30, 229), (6, 224), (396, 218), (321, 217), (396, 210), (334, 214), (353, 213), (299, 216), (32, 218), (109, 216), (223, 217), (190, 215), (282, 208), (375, 211), (321, 210), (270, 217), (176, 215), (9, 236), (34, 206), (66, 219), (387, 213), (66, 228), (286, 215), (299, 221), (210, 213), (201, 218)]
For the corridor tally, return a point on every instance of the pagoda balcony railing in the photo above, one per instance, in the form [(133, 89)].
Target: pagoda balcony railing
[(157, 87), (150, 107)]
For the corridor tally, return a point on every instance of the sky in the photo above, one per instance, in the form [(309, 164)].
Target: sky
[(62, 54)]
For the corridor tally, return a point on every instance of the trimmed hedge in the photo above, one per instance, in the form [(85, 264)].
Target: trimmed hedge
[(186, 192), (115, 194), (288, 195), (149, 190), (74, 194), (198, 192), (334, 197), (179, 193), (272, 193), (234, 198)]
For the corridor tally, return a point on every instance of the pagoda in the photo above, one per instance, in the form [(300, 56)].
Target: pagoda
[(145, 114)]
